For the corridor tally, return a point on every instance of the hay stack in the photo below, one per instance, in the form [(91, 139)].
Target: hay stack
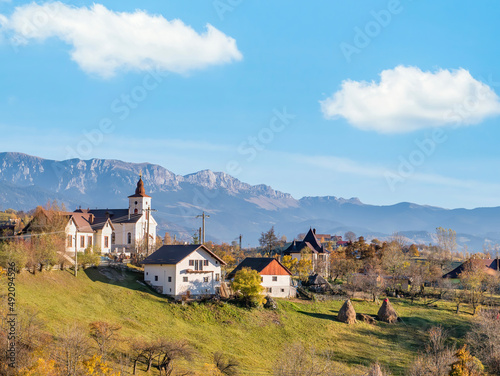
[(386, 313), (347, 313), (365, 318)]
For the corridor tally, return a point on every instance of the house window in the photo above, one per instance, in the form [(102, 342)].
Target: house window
[(170, 279), (70, 241), (89, 241), (198, 264), (217, 277), (282, 290), (205, 262), (106, 241), (275, 278), (269, 290), (82, 241), (129, 238), (191, 262), (184, 279), (205, 279), (156, 278), (113, 238), (147, 273), (262, 279)]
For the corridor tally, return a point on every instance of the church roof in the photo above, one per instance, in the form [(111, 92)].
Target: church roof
[(310, 241), (140, 191), (116, 215)]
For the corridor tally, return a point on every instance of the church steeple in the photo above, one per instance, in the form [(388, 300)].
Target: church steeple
[(139, 201)]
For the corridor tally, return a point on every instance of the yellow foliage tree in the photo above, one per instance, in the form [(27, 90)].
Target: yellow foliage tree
[(247, 282), (41, 367), (466, 365), (290, 263), (95, 366)]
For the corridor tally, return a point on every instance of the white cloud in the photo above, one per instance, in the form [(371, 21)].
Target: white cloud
[(407, 99), (105, 41)]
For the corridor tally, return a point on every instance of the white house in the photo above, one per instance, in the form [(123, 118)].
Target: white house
[(184, 270), (275, 278), (83, 231)]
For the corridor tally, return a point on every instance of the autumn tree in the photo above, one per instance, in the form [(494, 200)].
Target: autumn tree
[(466, 365), (290, 263), (248, 283), (473, 279), (105, 335), (395, 263), (269, 240)]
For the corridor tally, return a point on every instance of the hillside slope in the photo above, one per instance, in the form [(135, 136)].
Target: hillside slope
[(254, 337)]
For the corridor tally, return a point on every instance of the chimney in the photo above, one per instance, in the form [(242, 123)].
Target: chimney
[(314, 231), (91, 219)]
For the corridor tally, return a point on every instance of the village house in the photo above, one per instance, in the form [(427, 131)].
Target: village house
[(490, 267), (184, 270), (312, 248), (123, 231), (275, 278)]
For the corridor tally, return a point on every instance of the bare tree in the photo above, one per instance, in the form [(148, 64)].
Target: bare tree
[(73, 347), (350, 236), (168, 352), (104, 334), (226, 365), (299, 360), (436, 358), (484, 339)]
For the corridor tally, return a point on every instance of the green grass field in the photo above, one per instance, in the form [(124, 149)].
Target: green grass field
[(256, 337)]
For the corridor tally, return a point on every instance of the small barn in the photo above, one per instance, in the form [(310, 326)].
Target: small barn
[(276, 279)]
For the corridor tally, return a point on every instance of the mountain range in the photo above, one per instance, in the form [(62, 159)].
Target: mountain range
[(234, 207)]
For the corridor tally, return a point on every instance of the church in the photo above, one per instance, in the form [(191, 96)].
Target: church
[(131, 230)]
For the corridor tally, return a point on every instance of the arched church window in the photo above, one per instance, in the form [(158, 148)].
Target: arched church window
[(129, 238), (135, 211), (113, 238)]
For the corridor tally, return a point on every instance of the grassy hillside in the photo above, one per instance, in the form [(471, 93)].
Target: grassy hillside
[(255, 337)]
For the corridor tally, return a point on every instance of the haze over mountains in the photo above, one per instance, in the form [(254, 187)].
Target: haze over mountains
[(234, 207)]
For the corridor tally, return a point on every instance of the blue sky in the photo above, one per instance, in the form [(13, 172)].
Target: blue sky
[(311, 99)]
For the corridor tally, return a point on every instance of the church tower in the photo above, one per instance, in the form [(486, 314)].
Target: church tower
[(139, 202)]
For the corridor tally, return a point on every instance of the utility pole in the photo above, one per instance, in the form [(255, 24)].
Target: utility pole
[(148, 215), (203, 216), (76, 259), (240, 242), (199, 235)]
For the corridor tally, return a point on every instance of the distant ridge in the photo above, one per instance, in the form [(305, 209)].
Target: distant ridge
[(235, 207)]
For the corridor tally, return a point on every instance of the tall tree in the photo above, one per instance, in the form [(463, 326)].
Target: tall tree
[(269, 240), (350, 236)]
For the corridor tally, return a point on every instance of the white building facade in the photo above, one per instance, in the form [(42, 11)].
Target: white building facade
[(184, 270), (275, 278)]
